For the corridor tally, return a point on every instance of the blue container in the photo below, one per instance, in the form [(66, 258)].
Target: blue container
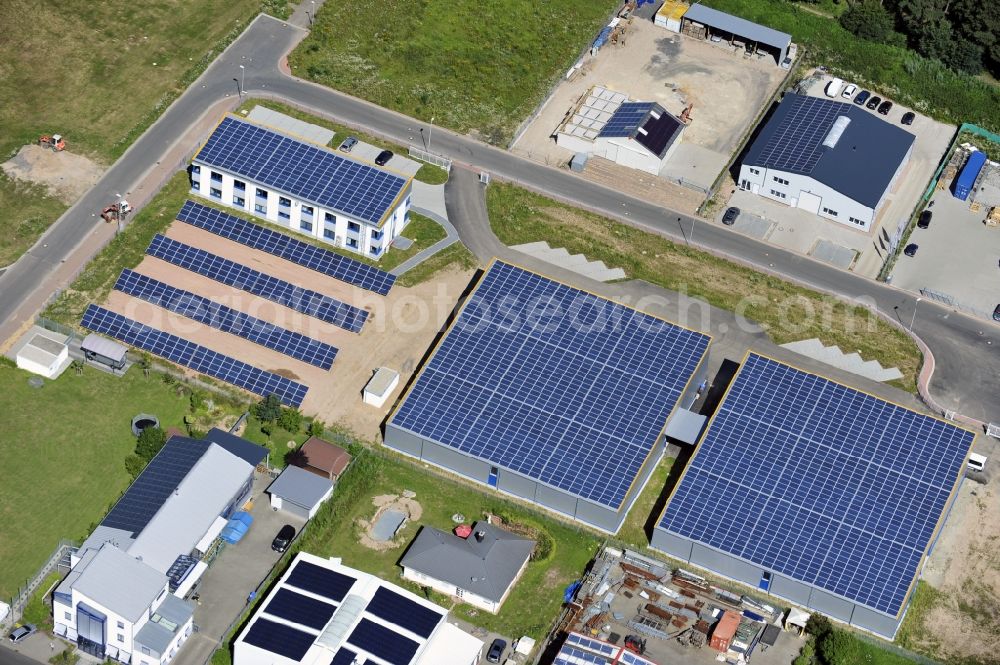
[(962, 186), (244, 517)]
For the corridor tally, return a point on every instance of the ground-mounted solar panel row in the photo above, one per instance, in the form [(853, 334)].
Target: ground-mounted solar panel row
[(821, 482), (259, 284), (194, 356), (283, 246), (226, 319), (303, 170)]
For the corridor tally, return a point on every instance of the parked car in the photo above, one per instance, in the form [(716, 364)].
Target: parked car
[(348, 144), (496, 651), (730, 217), (23, 633), (862, 97), (283, 539), (849, 91), (873, 103), (833, 88), (383, 157), (909, 117), (716, 38), (786, 63), (911, 249), (925, 219), (885, 107), (996, 313)]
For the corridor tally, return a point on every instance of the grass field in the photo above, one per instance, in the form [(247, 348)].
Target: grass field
[(789, 312), (98, 73), (469, 65), (63, 453)]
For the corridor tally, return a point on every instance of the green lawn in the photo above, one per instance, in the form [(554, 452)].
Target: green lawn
[(98, 73), (893, 71), (789, 312), (468, 65), (453, 256), (63, 453), (647, 507)]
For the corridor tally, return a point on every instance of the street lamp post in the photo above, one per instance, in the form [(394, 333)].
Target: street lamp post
[(243, 78), (430, 133), (913, 318), (312, 14)]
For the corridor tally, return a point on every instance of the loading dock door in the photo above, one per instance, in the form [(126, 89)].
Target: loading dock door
[(809, 201)]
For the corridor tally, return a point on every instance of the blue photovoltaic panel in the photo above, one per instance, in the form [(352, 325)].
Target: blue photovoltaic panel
[(226, 319), (626, 119), (574, 399), (195, 356), (798, 144), (592, 645), (570, 655), (300, 609), (288, 248), (820, 482), (316, 175), (252, 281), (321, 581), (383, 643), (279, 638), (403, 612), (155, 484)]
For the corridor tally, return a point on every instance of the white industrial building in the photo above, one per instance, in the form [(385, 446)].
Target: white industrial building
[(322, 612), (834, 159), (123, 599), (639, 135), (307, 188)]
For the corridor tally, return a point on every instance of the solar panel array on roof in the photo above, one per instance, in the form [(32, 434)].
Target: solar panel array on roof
[(252, 281), (321, 581), (797, 144), (576, 401), (226, 319), (154, 485), (403, 612), (383, 642), (301, 253), (279, 638), (195, 356), (300, 609), (820, 482), (305, 171), (626, 119)]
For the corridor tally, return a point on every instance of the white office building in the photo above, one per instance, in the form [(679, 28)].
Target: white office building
[(304, 187)]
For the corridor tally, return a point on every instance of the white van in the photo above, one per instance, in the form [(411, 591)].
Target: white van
[(977, 462), (834, 87)]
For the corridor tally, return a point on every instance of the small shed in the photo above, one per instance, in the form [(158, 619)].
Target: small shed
[(299, 492), (323, 458), (104, 351), (380, 386), (796, 620), (44, 352), (669, 15)]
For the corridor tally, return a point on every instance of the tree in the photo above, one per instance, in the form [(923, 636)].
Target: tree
[(867, 19), (290, 420), (268, 409), (818, 625), (151, 440), (316, 428), (966, 57), (77, 366), (134, 465), (145, 362), (979, 22)]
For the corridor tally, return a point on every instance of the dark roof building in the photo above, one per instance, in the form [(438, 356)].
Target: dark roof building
[(322, 458), (486, 563), (648, 123), (740, 28)]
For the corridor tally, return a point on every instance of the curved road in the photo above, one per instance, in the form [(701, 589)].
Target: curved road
[(966, 350)]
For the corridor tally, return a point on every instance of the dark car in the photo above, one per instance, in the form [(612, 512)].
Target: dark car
[(911, 249), (925, 219), (496, 650), (23, 633), (996, 313), (862, 97), (909, 117), (730, 217), (383, 157), (885, 107), (348, 144), (873, 103), (283, 539)]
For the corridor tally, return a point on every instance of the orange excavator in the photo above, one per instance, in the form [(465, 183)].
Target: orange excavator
[(117, 211), (55, 142)]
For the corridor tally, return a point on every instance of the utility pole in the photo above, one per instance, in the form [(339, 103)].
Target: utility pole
[(243, 78)]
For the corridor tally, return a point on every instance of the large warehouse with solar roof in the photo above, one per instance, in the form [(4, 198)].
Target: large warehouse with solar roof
[(550, 394), (817, 493), (832, 158), (307, 188)]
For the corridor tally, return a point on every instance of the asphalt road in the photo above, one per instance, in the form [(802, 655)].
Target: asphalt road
[(966, 350)]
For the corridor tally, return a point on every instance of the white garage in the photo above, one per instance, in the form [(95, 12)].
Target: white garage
[(43, 352), (299, 492)]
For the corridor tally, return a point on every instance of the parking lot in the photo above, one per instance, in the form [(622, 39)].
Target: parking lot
[(958, 258), (726, 89), (803, 232)]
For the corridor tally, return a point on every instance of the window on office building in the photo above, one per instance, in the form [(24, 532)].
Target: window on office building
[(262, 209), (351, 242), (240, 201), (831, 212), (196, 186), (261, 193), (306, 226), (353, 226), (239, 185), (307, 210), (216, 177), (216, 193), (330, 218), (780, 195), (282, 201), (283, 215), (755, 171), (329, 234), (780, 181)]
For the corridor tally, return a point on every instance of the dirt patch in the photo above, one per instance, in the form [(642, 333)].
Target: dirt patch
[(66, 176), (410, 508)]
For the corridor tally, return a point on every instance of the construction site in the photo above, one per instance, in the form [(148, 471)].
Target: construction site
[(670, 615)]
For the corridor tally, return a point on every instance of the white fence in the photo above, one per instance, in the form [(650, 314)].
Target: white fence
[(430, 158)]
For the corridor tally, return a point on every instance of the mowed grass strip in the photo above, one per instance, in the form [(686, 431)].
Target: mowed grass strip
[(63, 456), (787, 311), (468, 64)]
